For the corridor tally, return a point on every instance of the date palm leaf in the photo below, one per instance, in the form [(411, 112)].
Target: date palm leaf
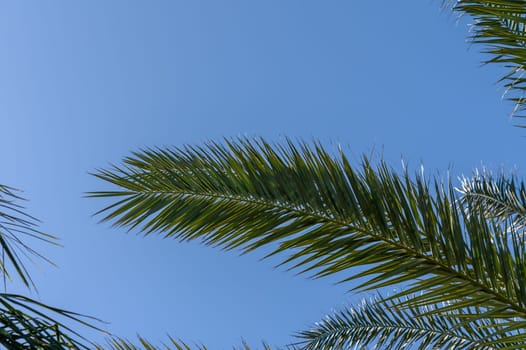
[(381, 324), (143, 344), (29, 324), (329, 217), (26, 323), (16, 227), (499, 25)]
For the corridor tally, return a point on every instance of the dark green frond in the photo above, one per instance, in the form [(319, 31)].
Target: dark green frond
[(329, 216), (382, 324), (16, 227), (499, 25), (29, 324)]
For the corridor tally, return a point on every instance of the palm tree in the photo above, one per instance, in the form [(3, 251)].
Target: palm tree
[(460, 253)]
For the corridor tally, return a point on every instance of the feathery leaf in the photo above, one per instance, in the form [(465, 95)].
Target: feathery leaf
[(29, 324), (499, 25), (15, 227), (143, 344), (380, 323), (329, 216), (497, 197)]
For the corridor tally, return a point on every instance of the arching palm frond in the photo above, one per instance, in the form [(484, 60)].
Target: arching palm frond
[(497, 197), (15, 227), (380, 323), (499, 25), (329, 216)]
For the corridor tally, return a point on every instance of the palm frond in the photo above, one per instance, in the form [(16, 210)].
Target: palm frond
[(26, 323), (29, 324), (382, 324), (497, 197), (16, 227), (499, 25), (143, 344), (329, 216)]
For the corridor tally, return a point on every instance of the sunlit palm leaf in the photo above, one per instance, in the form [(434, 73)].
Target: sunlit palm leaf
[(329, 216), (498, 197), (499, 25), (16, 227), (380, 324)]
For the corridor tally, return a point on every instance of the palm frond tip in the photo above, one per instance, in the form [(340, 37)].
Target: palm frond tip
[(16, 226), (499, 26)]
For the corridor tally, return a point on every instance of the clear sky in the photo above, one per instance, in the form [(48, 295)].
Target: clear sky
[(84, 83)]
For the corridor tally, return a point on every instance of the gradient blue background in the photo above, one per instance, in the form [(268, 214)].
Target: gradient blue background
[(83, 83)]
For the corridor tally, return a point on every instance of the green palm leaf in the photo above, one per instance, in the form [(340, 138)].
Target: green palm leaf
[(329, 216), (380, 323), (28, 324), (499, 25), (16, 227), (143, 344)]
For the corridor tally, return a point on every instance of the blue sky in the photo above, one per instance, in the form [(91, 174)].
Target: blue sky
[(84, 83)]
